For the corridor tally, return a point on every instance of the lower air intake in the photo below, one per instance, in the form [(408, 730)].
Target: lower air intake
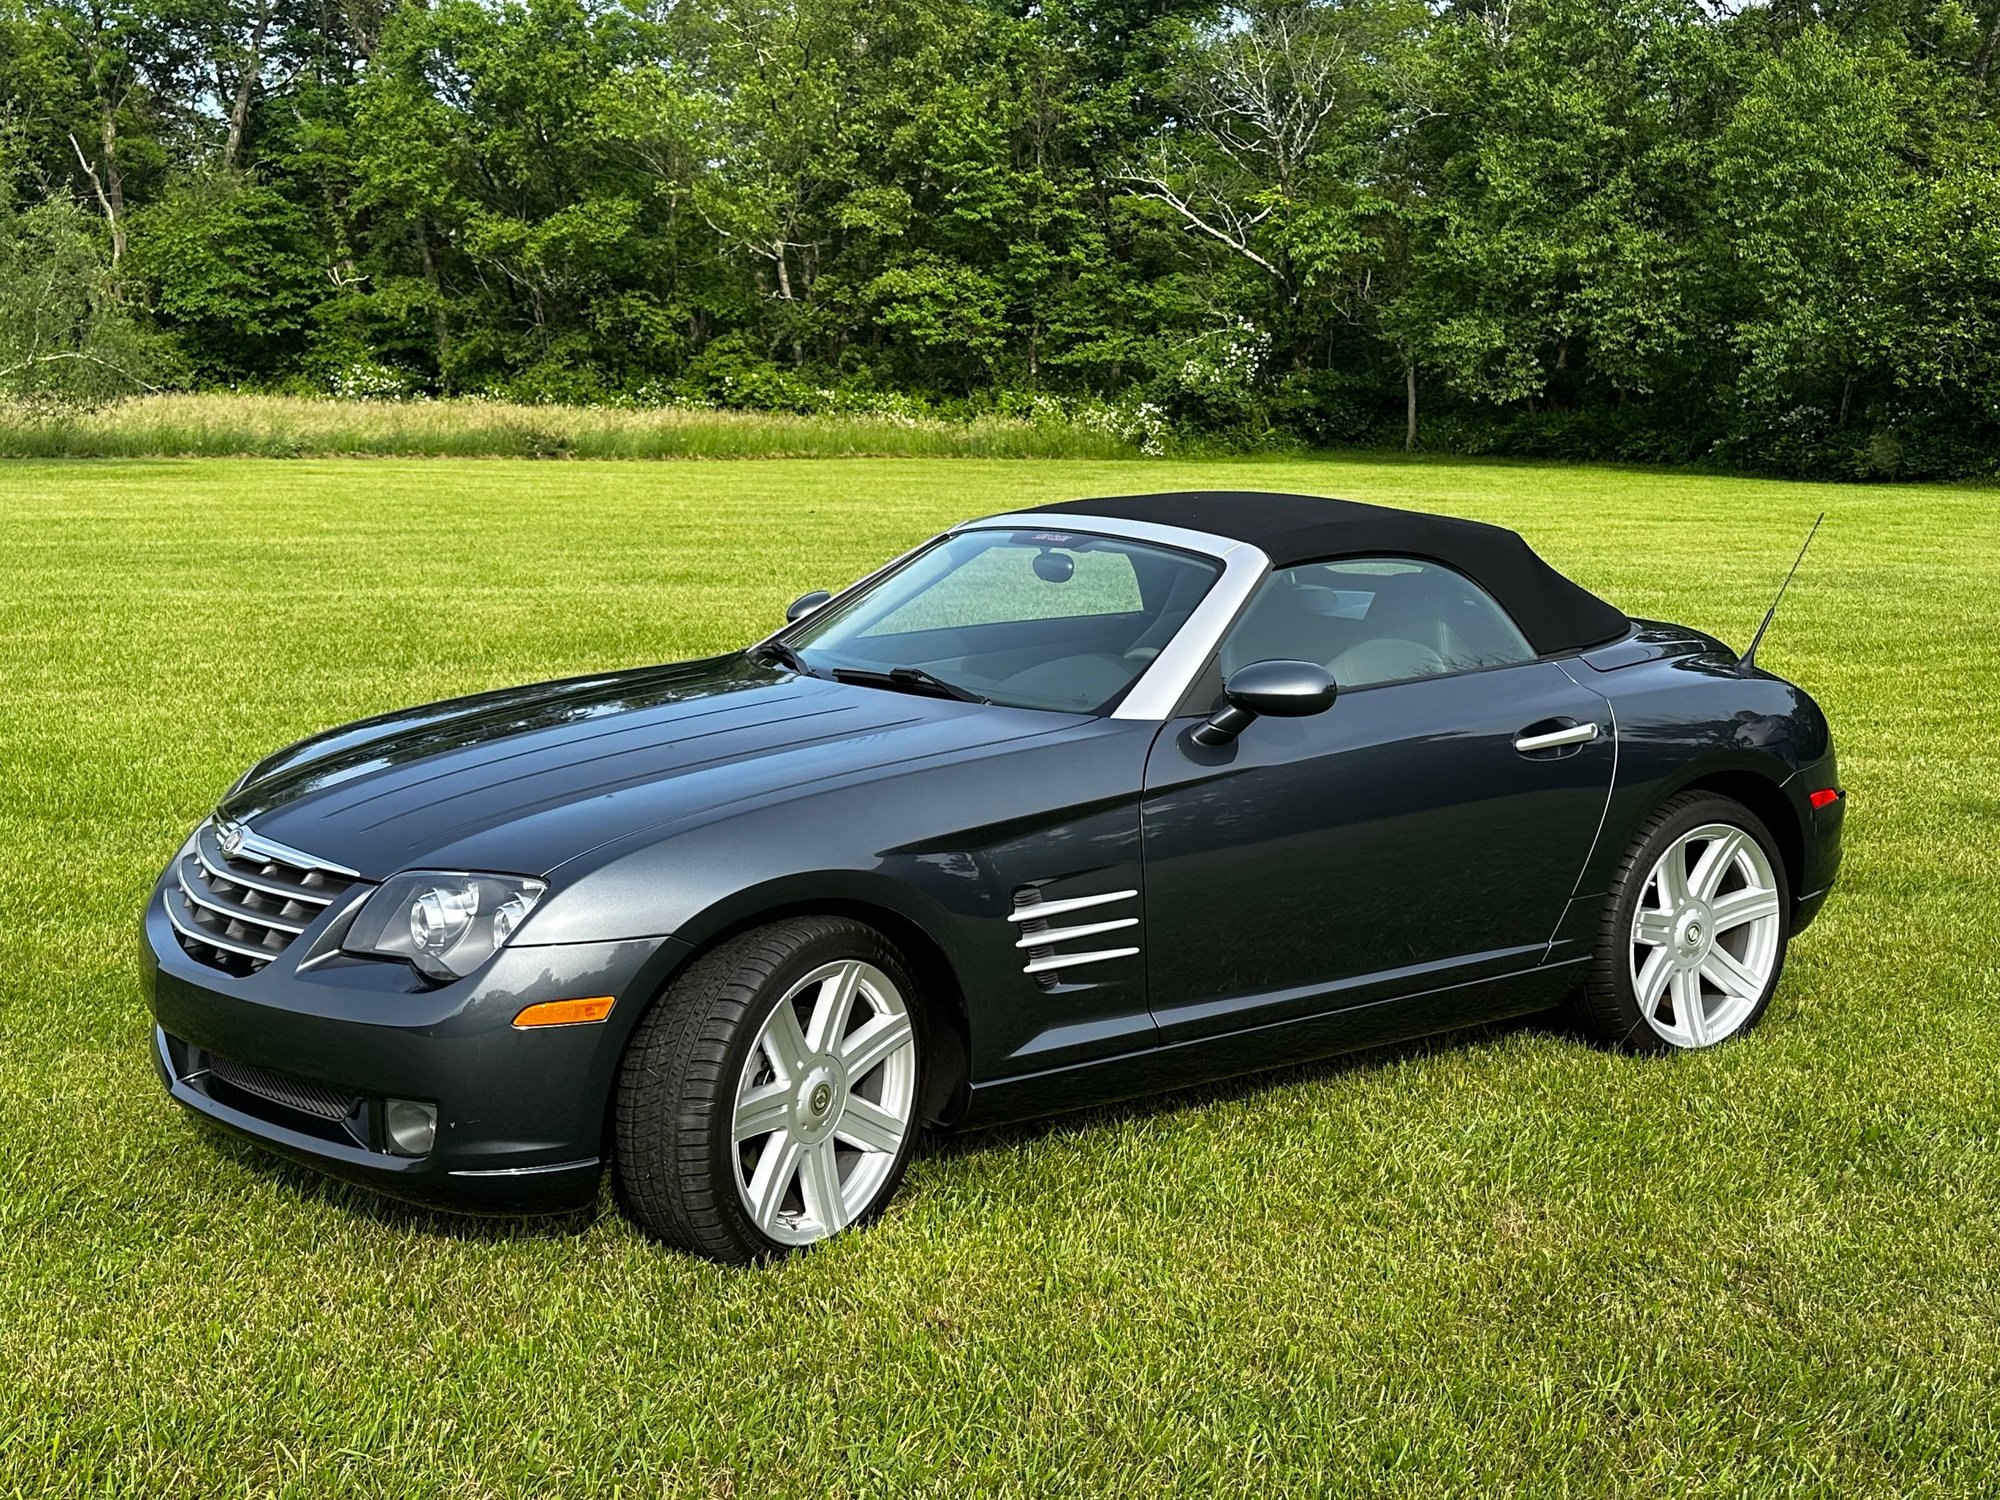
[(300, 1094)]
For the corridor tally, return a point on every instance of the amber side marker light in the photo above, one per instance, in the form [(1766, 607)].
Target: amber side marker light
[(566, 1012), (1825, 796)]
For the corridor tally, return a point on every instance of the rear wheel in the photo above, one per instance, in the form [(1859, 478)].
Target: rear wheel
[(1695, 931), (769, 1100)]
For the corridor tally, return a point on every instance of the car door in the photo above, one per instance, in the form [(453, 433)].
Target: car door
[(1419, 833)]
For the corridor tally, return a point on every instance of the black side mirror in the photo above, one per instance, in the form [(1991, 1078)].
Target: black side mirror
[(804, 605), (1277, 689)]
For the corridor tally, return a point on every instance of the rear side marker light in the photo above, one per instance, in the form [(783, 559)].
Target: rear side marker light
[(566, 1012), (1825, 797)]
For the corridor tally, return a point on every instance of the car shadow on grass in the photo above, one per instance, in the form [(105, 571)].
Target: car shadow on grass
[(412, 1218), (949, 1145), (395, 1213)]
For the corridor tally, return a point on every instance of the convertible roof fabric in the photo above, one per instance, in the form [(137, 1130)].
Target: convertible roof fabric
[(1552, 612)]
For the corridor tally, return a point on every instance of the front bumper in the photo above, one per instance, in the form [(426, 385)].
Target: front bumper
[(521, 1114)]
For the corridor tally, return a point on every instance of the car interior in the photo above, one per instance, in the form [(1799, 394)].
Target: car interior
[(1077, 620), (1036, 620), (1375, 620)]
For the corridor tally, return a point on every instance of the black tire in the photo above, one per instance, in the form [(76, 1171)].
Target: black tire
[(675, 1167), (1608, 1009)]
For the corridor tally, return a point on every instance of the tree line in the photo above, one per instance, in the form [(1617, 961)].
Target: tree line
[(1764, 236)]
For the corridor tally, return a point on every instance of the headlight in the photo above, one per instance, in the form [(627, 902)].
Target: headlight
[(444, 922)]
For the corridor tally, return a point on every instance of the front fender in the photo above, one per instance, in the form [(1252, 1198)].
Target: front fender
[(809, 890), (945, 847)]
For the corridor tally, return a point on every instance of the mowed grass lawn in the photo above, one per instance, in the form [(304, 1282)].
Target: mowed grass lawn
[(1500, 1260)]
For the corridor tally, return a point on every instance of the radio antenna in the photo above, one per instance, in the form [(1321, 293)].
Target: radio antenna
[(1749, 658)]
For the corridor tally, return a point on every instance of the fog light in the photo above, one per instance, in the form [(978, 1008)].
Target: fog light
[(412, 1127)]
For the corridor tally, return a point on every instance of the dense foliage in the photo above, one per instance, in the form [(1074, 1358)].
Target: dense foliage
[(1617, 228)]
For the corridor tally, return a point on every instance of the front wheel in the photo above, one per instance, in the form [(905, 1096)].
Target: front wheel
[(769, 1099), (1694, 932)]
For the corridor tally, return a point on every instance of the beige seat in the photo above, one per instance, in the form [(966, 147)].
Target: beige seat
[(1385, 659)]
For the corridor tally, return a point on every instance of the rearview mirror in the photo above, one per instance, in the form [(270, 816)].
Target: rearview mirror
[(804, 605), (1267, 689)]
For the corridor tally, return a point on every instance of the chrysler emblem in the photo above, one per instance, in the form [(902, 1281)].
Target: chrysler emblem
[(229, 838)]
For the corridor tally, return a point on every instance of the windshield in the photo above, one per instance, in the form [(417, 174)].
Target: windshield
[(1030, 619)]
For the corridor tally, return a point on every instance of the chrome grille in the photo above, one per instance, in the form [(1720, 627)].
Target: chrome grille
[(1037, 918), (237, 911), (300, 1094)]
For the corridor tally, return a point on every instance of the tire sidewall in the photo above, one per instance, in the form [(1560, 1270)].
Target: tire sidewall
[(847, 940), (1612, 977)]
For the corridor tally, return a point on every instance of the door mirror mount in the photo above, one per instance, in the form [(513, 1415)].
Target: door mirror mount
[(804, 605), (1267, 689)]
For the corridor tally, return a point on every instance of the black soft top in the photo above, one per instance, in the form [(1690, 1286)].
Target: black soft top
[(1552, 612)]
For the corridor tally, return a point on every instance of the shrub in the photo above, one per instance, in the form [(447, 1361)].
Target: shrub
[(67, 337)]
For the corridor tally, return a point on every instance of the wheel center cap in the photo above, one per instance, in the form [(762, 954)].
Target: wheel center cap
[(1694, 930), (816, 1104)]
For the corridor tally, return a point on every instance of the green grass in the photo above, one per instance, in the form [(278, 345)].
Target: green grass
[(224, 425), (1496, 1261)]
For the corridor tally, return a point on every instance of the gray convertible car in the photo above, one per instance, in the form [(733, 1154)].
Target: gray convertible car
[(1063, 806)]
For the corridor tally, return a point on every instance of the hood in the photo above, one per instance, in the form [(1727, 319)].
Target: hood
[(526, 779)]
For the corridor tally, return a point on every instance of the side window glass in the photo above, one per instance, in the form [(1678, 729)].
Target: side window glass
[(1371, 620)]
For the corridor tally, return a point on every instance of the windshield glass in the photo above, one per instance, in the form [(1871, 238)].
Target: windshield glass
[(1031, 619)]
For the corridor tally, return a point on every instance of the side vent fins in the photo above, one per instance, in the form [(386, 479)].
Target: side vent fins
[(1038, 919)]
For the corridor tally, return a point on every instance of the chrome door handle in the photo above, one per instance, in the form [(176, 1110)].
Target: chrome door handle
[(1576, 734)]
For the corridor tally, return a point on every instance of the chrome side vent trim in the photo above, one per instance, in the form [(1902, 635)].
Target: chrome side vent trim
[(1038, 938), (1030, 907), (1055, 962), (1063, 934)]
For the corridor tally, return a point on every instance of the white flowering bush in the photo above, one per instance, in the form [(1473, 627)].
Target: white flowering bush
[(1141, 423), (368, 380), (1225, 361)]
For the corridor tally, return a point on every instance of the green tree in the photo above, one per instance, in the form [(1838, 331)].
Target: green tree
[(66, 337), (234, 269)]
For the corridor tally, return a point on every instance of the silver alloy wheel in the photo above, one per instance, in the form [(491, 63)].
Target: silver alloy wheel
[(1705, 936), (825, 1102)]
